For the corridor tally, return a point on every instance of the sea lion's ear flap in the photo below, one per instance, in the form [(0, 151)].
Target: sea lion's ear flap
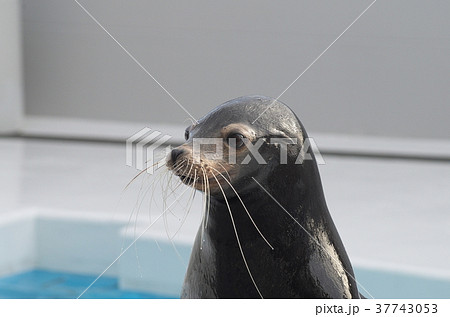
[(278, 133)]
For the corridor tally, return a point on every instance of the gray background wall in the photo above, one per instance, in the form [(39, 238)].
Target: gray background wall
[(388, 75), (11, 93)]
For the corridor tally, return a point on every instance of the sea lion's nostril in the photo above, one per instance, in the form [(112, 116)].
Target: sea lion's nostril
[(175, 154)]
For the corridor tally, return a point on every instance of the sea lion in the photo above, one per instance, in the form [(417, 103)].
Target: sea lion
[(267, 232)]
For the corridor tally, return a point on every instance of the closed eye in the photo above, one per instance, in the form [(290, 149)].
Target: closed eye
[(236, 139)]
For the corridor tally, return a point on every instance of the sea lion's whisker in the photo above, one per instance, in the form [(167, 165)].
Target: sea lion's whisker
[(166, 225), (165, 185), (141, 172), (189, 164), (179, 183), (173, 189), (180, 165), (152, 187), (136, 205), (221, 165), (245, 208), (206, 204), (208, 197), (203, 226), (189, 203), (135, 227), (169, 184), (177, 253), (171, 238), (165, 195), (191, 197), (159, 177), (203, 209), (136, 209), (237, 236)]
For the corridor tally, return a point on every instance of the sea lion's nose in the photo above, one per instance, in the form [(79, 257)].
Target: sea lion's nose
[(177, 152)]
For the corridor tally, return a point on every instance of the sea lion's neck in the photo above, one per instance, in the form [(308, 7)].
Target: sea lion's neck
[(274, 204), (296, 223)]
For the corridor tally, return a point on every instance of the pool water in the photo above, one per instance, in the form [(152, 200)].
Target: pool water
[(49, 284), (389, 284)]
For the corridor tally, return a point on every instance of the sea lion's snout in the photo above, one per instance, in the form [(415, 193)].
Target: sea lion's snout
[(178, 157), (205, 173), (175, 154)]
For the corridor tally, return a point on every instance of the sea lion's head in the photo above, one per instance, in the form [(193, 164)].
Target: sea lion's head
[(240, 139)]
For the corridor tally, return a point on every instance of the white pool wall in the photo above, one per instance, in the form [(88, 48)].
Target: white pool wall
[(89, 244), (18, 245)]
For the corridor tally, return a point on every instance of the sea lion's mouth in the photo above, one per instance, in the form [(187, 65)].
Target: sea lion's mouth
[(204, 177), (188, 180), (199, 183)]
